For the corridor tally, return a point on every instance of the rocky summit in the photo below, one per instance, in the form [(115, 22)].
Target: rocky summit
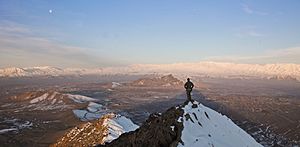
[(103, 130), (188, 125)]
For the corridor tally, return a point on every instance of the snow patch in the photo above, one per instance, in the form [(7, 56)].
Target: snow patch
[(81, 98), (206, 128), (94, 107), (15, 125), (115, 84), (8, 130), (38, 99), (117, 126), (172, 127)]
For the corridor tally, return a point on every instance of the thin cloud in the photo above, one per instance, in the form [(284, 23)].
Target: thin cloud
[(247, 9), (288, 55), (20, 46), (249, 31), (10, 28), (254, 34)]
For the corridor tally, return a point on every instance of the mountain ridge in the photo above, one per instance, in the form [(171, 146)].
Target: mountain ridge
[(105, 129), (190, 124), (210, 69)]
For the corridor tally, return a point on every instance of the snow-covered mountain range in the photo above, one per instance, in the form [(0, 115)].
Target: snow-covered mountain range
[(210, 69)]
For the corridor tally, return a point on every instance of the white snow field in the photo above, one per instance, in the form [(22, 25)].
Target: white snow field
[(207, 128), (117, 126)]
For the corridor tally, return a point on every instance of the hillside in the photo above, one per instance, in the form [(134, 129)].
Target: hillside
[(163, 81), (103, 130), (186, 125)]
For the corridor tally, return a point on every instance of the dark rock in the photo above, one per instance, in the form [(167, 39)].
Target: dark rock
[(155, 132), (206, 115), (194, 106)]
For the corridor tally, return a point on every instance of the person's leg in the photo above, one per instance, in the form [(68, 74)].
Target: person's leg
[(188, 93)]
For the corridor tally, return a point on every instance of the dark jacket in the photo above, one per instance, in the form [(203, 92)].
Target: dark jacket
[(189, 86)]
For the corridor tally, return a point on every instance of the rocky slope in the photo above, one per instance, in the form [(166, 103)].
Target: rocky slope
[(106, 129), (190, 125)]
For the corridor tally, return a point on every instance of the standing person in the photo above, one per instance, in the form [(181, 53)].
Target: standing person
[(189, 87)]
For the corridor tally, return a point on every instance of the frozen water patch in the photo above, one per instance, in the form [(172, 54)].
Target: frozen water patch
[(95, 107), (14, 125), (93, 111)]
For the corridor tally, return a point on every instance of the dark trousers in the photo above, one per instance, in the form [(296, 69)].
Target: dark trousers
[(188, 94)]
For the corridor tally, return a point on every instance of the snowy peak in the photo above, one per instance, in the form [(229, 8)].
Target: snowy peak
[(103, 130), (31, 71), (188, 125), (12, 72), (205, 127)]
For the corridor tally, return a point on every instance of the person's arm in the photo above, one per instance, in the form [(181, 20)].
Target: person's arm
[(192, 85)]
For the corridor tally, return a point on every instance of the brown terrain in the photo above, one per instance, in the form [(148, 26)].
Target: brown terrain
[(49, 119), (267, 109), (86, 134)]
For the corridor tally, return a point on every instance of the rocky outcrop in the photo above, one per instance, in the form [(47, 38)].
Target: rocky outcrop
[(103, 130), (159, 130)]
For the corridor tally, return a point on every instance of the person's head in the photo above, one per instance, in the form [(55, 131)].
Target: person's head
[(188, 79)]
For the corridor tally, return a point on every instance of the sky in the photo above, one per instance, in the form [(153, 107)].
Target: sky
[(100, 33)]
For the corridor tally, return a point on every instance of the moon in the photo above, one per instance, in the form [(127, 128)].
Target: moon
[(50, 11)]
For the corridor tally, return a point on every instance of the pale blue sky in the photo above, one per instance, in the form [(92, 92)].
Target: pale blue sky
[(98, 33)]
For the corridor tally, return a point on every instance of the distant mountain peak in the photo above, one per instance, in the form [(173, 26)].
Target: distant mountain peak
[(164, 81), (204, 69)]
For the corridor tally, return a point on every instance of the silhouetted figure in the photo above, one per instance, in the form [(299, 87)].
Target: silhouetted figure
[(189, 87)]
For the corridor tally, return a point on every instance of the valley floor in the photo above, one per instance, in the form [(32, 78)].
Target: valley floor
[(268, 110)]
